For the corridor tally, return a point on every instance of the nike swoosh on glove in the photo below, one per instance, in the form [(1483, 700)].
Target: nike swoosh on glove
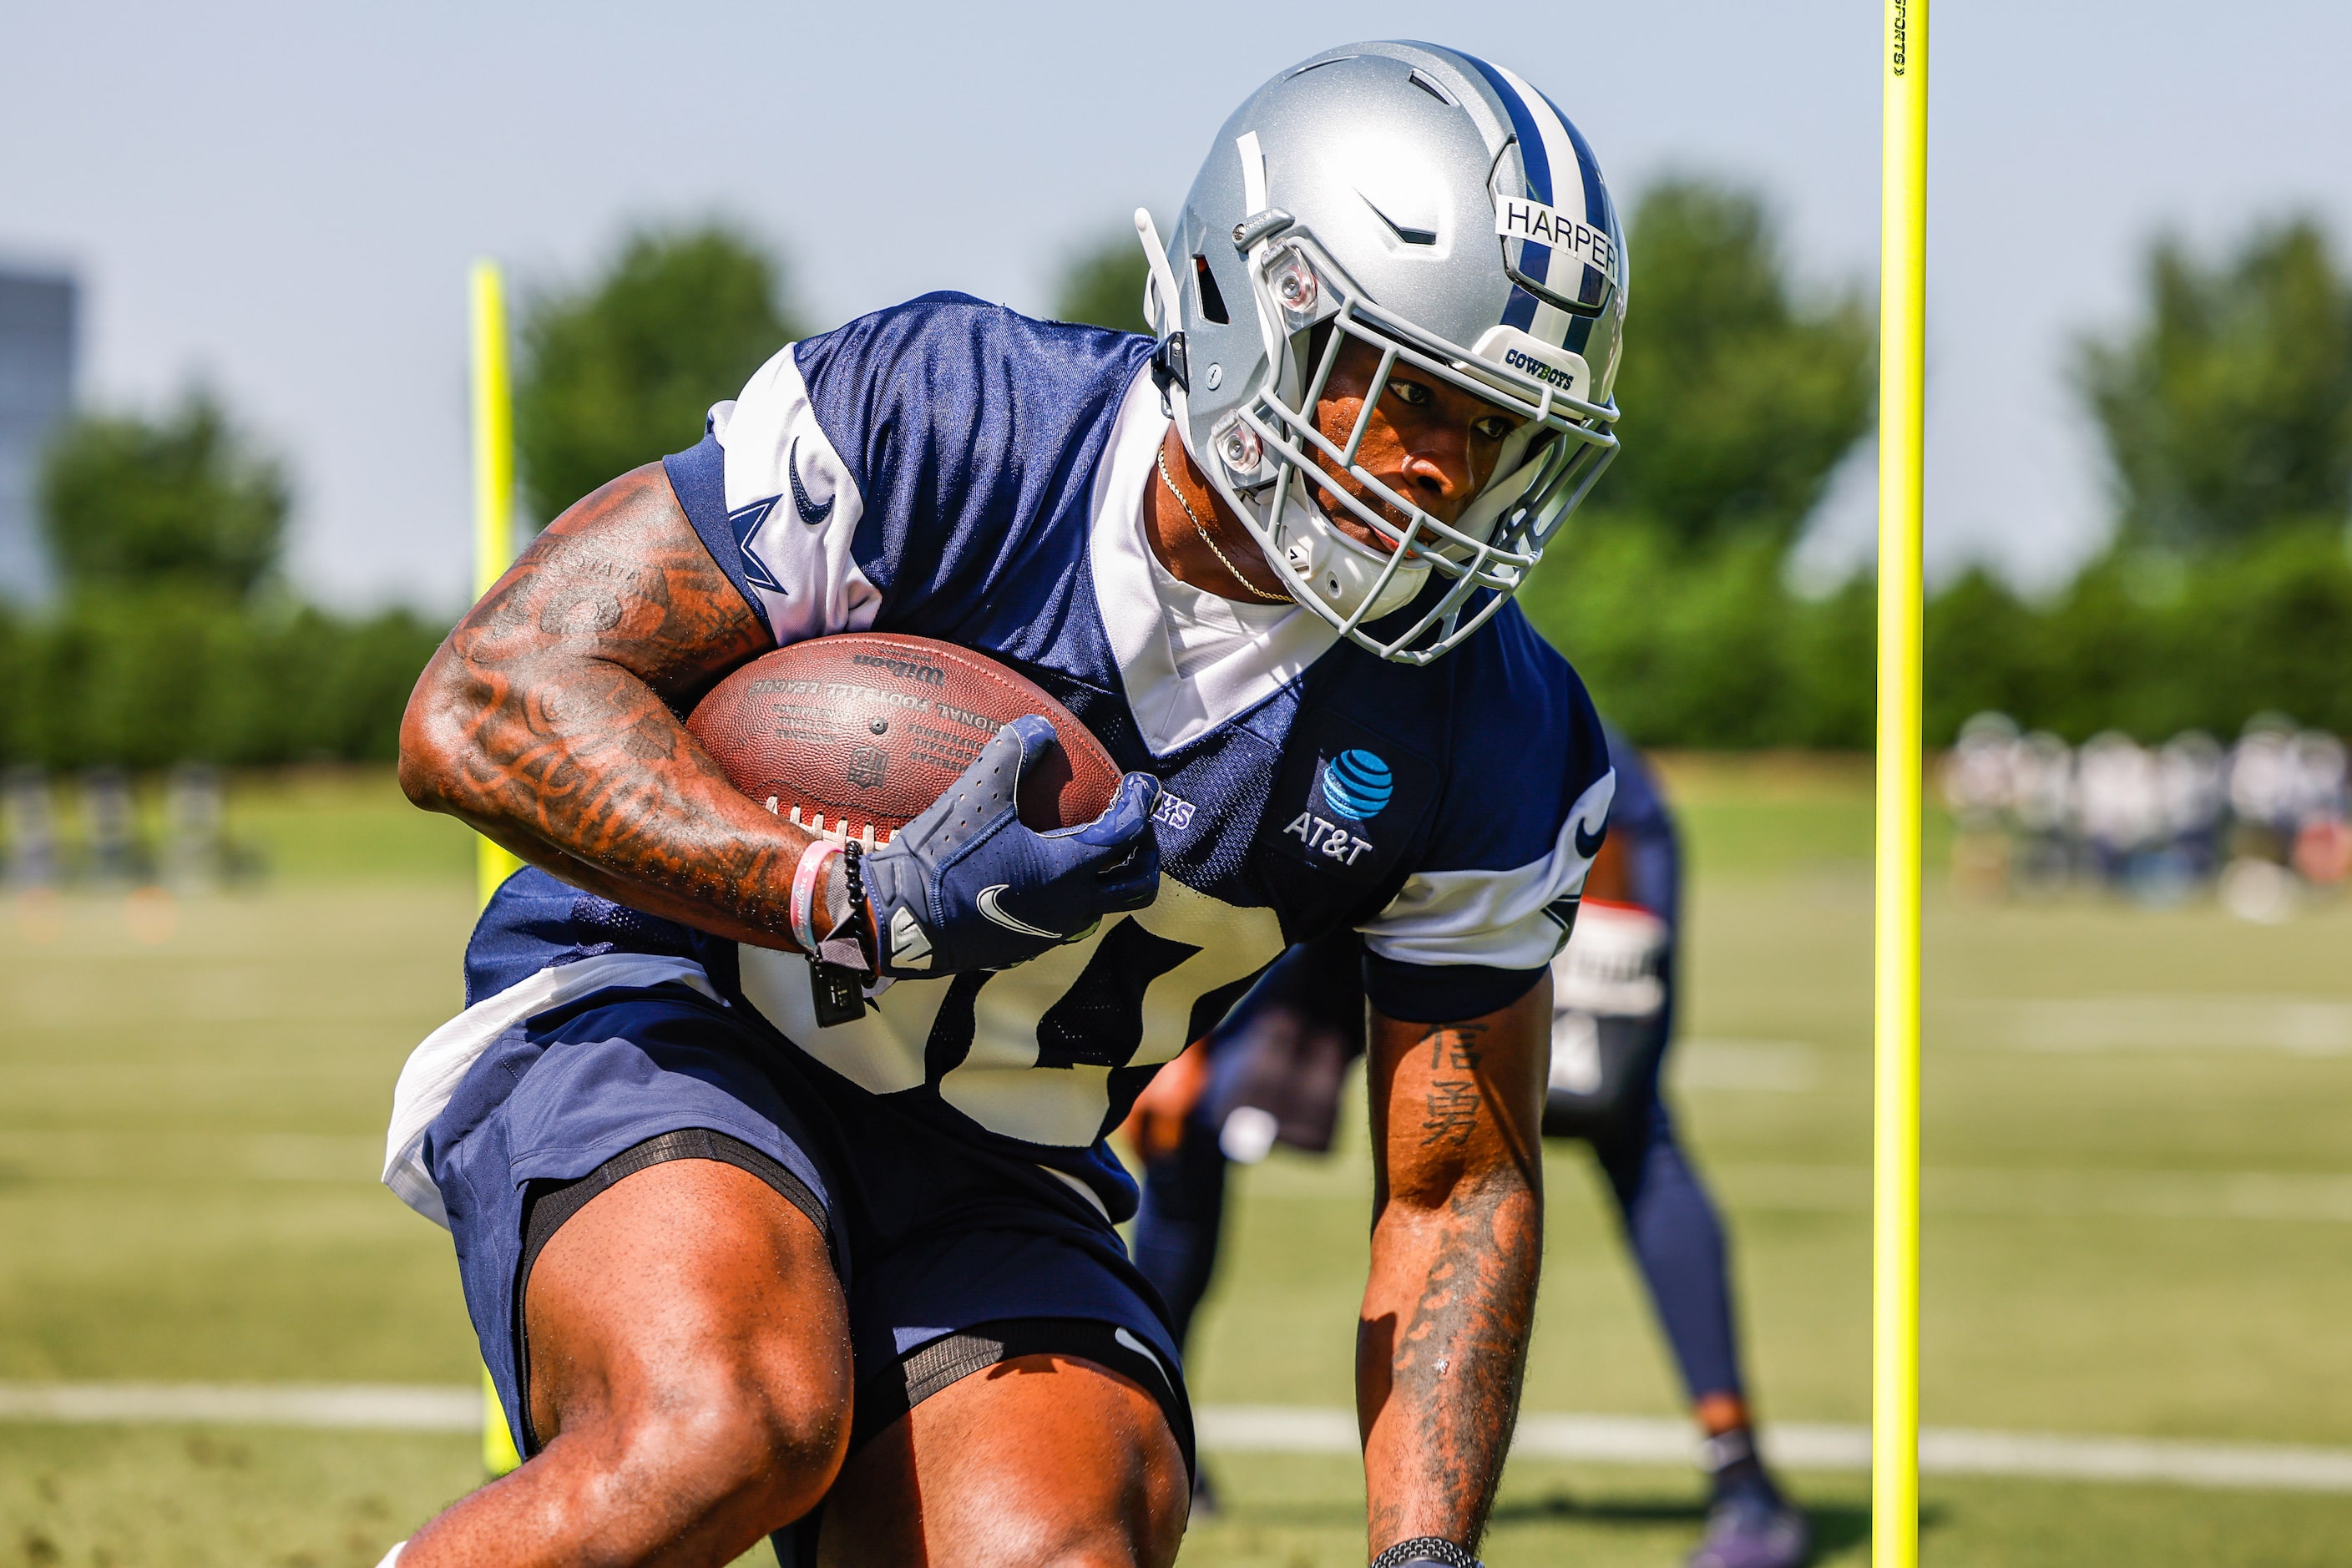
[(966, 886)]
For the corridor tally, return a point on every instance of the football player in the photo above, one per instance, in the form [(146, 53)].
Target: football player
[(1273, 1071), (743, 1255)]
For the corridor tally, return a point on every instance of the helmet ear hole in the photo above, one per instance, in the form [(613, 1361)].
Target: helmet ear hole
[(1212, 298)]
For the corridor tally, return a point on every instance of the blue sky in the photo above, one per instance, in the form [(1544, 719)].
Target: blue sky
[(283, 199)]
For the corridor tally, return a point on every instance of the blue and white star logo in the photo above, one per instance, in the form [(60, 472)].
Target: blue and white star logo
[(746, 522)]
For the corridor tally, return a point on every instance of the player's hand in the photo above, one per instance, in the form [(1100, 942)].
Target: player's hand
[(965, 885)]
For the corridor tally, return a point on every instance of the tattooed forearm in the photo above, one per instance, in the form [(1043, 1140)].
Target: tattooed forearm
[(1450, 1111), (549, 720), (1454, 1371), (1456, 1247)]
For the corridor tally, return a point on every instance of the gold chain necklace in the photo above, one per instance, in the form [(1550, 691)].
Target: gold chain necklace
[(1199, 528)]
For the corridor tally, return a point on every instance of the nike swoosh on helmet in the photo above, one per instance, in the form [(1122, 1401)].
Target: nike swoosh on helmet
[(989, 907)]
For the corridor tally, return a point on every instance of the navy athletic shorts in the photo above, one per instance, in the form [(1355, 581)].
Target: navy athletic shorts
[(953, 1257)]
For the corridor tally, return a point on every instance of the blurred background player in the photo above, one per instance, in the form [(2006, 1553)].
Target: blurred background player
[(2265, 826), (1273, 1073)]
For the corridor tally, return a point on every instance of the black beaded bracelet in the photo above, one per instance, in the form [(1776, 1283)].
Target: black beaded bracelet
[(1433, 1549), (853, 875), (836, 994)]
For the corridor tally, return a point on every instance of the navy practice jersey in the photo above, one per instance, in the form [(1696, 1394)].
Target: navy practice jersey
[(951, 470)]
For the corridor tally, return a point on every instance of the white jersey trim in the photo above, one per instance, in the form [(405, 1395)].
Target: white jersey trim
[(1499, 918), (796, 545), (436, 1067), (1172, 709)]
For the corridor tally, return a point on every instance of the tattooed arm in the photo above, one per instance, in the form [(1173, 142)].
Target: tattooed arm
[(548, 719), (1457, 1240)]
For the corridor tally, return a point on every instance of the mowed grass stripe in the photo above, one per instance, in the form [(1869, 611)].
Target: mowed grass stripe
[(1285, 1429)]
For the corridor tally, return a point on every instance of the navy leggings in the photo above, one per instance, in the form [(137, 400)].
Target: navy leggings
[(1670, 1221)]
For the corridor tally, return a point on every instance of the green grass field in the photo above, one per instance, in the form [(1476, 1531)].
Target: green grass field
[(2138, 1206)]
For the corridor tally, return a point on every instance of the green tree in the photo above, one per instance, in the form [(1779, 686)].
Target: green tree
[(1102, 284), (623, 370), (1739, 396), (2228, 408), (185, 504)]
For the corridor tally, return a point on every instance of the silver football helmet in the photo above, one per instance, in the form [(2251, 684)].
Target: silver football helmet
[(1441, 211)]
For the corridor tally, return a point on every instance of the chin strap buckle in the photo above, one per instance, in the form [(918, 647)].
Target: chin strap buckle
[(1170, 362)]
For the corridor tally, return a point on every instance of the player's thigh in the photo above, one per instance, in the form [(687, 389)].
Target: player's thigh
[(1043, 1461), (691, 1299)]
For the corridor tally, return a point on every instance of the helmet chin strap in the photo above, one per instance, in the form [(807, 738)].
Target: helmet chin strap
[(1316, 557)]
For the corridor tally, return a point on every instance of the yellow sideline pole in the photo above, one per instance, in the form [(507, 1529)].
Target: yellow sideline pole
[(494, 548), (1895, 1199), (493, 421)]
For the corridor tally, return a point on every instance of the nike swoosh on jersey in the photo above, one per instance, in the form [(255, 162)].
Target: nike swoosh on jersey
[(1587, 847), (988, 906), (810, 513)]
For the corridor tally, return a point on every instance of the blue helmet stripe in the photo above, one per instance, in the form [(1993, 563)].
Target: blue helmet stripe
[(1598, 211), (1535, 260), (1523, 124)]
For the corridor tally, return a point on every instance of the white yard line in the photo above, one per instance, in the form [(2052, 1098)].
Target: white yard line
[(366, 1406), (1289, 1429), (2317, 1197), (1805, 1446), (2317, 1026)]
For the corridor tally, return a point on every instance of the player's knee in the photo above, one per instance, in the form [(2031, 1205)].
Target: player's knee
[(741, 1446), (1141, 1527), (1147, 1539)]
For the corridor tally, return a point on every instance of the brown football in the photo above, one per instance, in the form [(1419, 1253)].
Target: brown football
[(853, 735)]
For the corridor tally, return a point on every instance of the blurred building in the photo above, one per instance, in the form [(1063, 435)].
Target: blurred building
[(37, 366)]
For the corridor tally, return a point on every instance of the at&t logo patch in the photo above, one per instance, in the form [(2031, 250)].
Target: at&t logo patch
[(1357, 784), (1356, 788)]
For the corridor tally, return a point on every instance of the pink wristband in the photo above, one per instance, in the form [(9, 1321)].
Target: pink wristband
[(808, 878)]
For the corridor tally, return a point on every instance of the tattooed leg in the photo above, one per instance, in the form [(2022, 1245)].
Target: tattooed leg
[(1457, 1243)]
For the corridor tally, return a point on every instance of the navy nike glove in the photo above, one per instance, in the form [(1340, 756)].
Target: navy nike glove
[(965, 885)]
